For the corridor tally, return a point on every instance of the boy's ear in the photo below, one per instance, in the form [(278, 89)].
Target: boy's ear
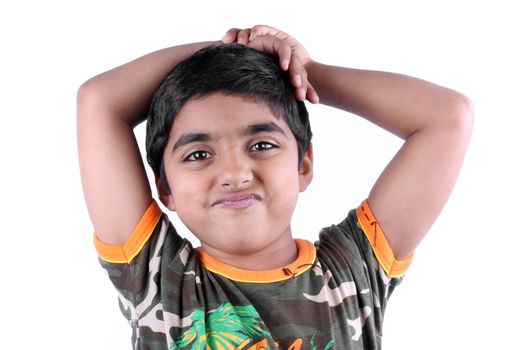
[(165, 198), (306, 171)]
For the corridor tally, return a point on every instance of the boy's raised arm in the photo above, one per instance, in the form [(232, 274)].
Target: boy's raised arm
[(435, 122), (109, 106)]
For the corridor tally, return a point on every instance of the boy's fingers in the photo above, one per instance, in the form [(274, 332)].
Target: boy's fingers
[(311, 94), (230, 36), (242, 36), (287, 60), (260, 29), (299, 78), (271, 44), (285, 53)]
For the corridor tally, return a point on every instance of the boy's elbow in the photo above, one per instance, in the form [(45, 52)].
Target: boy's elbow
[(462, 112), (89, 99), (86, 91), (83, 93)]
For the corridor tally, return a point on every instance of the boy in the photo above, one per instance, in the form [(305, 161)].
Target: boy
[(230, 149)]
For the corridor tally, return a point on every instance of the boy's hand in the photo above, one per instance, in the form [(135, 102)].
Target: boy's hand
[(293, 57)]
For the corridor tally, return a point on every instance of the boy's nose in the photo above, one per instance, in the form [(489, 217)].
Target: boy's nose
[(235, 173)]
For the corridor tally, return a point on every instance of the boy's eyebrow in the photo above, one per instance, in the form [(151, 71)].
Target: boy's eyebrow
[(263, 127), (188, 138)]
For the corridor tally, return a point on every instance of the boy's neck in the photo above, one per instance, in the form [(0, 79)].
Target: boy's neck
[(278, 254)]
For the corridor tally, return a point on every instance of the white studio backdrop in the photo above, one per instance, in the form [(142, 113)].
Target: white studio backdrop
[(463, 289)]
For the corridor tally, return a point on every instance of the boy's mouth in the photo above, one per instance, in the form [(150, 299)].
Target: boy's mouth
[(237, 201)]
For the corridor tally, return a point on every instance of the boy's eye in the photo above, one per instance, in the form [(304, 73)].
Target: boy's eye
[(262, 146), (198, 155)]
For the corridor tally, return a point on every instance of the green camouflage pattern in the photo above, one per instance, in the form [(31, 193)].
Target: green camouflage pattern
[(173, 302)]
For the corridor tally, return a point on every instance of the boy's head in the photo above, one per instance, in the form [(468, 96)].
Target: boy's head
[(230, 69), (225, 136)]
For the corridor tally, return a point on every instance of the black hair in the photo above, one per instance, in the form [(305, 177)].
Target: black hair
[(232, 69)]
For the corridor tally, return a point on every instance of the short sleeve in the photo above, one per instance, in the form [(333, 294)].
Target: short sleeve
[(379, 243), (135, 268), (139, 237), (358, 252)]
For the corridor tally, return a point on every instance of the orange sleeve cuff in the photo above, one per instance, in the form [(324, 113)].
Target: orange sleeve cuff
[(140, 235), (379, 243)]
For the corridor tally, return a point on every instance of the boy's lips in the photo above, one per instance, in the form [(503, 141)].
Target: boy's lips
[(237, 201)]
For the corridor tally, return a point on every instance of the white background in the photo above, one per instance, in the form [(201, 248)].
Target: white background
[(464, 289)]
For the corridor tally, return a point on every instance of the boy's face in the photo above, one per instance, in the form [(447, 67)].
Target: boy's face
[(232, 168)]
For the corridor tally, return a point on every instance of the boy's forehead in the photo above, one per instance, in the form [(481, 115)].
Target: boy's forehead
[(218, 111)]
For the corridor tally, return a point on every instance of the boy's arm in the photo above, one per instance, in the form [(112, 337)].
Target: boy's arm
[(109, 106), (435, 122)]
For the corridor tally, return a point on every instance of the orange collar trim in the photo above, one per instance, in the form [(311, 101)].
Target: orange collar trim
[(306, 256)]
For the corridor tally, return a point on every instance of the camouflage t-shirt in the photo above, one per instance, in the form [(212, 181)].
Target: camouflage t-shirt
[(333, 296)]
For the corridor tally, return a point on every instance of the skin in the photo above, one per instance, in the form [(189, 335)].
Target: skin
[(235, 187)]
